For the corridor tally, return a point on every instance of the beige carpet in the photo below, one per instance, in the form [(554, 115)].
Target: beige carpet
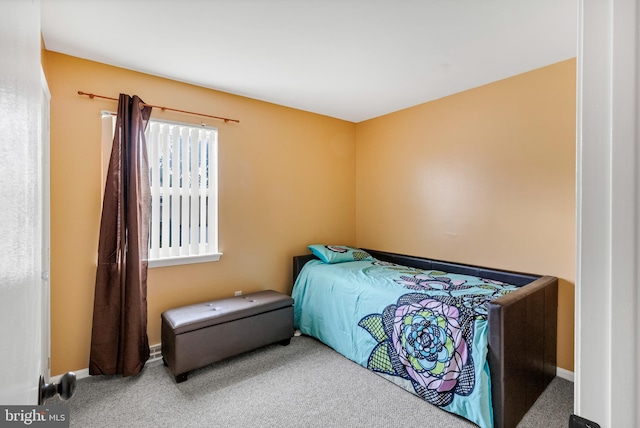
[(305, 384)]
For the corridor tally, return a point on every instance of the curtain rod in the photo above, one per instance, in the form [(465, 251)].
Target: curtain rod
[(162, 108)]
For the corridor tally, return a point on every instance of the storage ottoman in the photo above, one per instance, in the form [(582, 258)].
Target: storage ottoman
[(197, 335)]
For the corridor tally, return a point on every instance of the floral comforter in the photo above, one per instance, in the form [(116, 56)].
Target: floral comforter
[(421, 329)]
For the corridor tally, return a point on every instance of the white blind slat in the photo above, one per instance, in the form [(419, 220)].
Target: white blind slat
[(165, 190), (154, 180), (184, 186), (193, 191), (202, 190), (175, 192)]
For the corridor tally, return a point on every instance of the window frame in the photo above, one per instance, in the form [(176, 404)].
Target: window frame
[(108, 127)]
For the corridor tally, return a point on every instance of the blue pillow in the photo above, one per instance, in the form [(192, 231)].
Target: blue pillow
[(339, 253)]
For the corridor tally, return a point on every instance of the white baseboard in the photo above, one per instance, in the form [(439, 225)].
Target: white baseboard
[(83, 373), (564, 374), (80, 374)]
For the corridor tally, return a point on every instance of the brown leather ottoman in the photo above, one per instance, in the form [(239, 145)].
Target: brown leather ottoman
[(197, 335)]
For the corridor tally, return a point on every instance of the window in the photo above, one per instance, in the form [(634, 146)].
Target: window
[(183, 174)]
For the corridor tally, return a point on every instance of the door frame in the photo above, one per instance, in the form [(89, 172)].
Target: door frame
[(45, 364)]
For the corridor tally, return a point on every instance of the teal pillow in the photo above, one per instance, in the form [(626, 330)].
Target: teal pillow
[(339, 253)]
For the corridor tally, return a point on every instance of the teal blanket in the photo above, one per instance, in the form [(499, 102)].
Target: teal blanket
[(421, 329)]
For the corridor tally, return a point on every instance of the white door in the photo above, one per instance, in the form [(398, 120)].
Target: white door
[(21, 203)]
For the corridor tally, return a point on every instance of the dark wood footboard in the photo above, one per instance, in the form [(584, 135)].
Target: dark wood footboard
[(522, 348), (522, 332)]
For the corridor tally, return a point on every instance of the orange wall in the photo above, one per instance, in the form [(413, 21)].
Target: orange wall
[(485, 177), (286, 180)]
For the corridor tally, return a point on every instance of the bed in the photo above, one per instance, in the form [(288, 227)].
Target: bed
[(475, 341)]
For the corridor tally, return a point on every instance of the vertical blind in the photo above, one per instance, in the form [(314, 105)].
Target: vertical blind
[(183, 176)]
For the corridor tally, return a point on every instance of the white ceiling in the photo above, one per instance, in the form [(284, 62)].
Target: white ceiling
[(349, 59)]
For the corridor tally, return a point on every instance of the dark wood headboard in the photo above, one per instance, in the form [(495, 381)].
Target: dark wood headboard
[(515, 278)]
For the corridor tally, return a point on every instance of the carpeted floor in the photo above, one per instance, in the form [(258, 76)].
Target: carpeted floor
[(305, 384)]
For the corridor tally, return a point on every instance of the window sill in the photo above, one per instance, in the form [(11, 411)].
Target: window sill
[(183, 260)]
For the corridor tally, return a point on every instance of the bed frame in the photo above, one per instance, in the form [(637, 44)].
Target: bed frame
[(522, 332)]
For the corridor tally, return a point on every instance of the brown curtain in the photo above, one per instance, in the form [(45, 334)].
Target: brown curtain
[(119, 343)]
